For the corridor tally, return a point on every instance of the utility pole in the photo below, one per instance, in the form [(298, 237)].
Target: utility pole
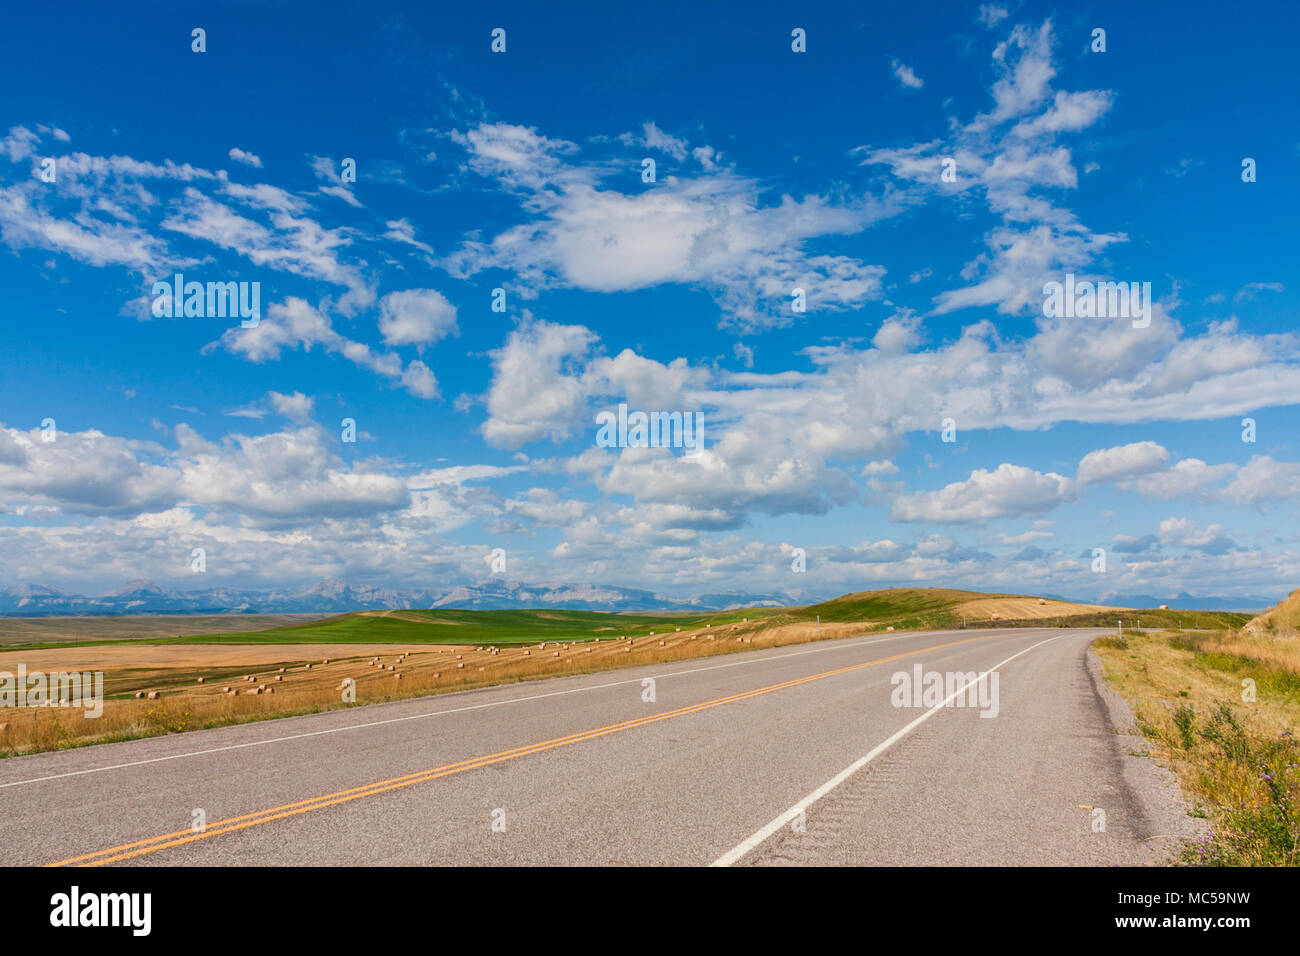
[(819, 627)]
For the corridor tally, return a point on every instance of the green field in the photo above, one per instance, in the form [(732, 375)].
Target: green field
[(475, 627)]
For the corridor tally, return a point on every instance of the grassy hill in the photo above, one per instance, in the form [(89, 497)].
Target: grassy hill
[(1281, 620), (907, 609)]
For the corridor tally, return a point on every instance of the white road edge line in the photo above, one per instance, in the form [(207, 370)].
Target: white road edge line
[(743, 849), (443, 713)]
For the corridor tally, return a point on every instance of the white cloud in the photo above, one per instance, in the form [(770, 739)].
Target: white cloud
[(898, 333), (419, 380), (401, 230), (295, 244), (1264, 479), (1186, 478), (328, 170), (655, 138), (1252, 289), (906, 75), (544, 508), (1009, 491), (281, 476), (294, 324), (19, 144), (991, 14), (1121, 462), (1185, 533), (712, 231), (534, 391), (1025, 537), (1009, 155), (85, 472), (416, 317), (245, 157), (296, 407)]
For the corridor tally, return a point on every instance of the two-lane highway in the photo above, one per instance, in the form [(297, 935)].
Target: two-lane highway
[(797, 755)]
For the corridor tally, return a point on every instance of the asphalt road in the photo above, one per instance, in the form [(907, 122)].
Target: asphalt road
[(794, 756)]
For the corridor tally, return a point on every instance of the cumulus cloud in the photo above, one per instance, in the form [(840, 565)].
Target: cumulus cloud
[(1264, 479), (245, 157), (1187, 477), (283, 475), (1185, 533), (86, 472), (535, 392), (280, 476), (1009, 491), (296, 407), (416, 317), (1120, 462)]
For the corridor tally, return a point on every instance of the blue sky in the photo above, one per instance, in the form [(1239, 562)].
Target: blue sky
[(775, 170)]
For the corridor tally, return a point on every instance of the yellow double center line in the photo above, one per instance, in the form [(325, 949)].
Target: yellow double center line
[(141, 847)]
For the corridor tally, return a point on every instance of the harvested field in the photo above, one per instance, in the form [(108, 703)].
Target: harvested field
[(313, 676), (1024, 608)]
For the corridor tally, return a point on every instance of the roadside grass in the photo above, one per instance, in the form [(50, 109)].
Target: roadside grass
[(1154, 618), (1222, 708)]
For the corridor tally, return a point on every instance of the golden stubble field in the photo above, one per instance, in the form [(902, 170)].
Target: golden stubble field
[(1024, 609), (157, 689)]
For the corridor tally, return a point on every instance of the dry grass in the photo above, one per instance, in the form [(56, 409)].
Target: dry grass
[(1281, 621), (1023, 608), (1237, 758), (309, 685)]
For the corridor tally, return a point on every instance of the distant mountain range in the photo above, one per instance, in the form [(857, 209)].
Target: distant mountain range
[(337, 597), (1188, 602)]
